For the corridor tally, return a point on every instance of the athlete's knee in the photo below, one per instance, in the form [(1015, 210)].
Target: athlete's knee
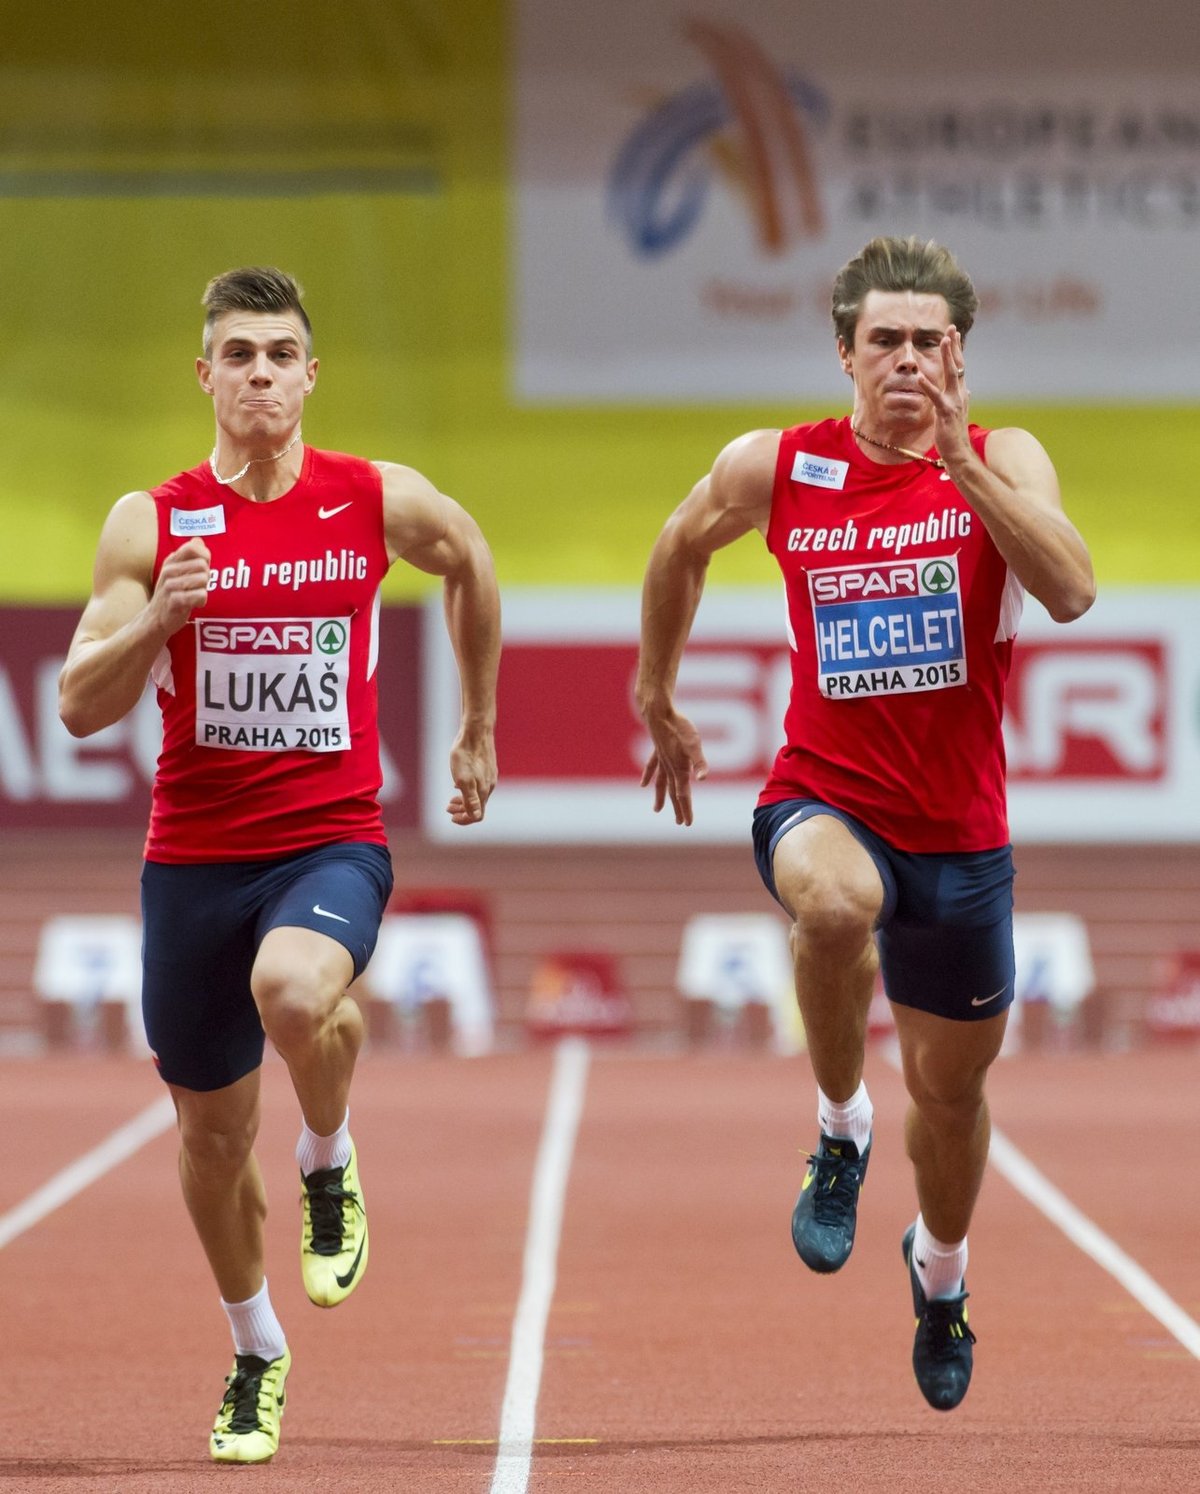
[(215, 1151), (837, 917), (294, 1002), (945, 1088)]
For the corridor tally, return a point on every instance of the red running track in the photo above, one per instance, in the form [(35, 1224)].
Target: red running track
[(686, 1350)]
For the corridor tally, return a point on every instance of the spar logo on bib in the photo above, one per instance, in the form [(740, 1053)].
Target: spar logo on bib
[(888, 629), (251, 636), (331, 638), (271, 684)]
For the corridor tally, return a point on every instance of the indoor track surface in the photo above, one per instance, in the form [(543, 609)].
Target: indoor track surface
[(582, 1280)]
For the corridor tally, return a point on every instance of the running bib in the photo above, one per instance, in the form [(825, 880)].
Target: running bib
[(888, 629), (273, 684)]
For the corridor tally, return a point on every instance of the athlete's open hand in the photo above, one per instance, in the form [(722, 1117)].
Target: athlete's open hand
[(473, 768), (677, 758), (950, 398), (182, 585)]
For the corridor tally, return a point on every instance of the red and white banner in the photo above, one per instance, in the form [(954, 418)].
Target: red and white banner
[(48, 777), (1102, 730)]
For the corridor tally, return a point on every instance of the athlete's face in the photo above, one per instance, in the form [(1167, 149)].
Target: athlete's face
[(898, 335), (259, 375)]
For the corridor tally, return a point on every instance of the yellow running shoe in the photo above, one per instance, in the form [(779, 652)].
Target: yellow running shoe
[(247, 1426), (333, 1240)]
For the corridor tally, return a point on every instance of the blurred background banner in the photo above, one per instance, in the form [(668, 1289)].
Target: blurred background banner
[(526, 231), (689, 178), (1102, 731)]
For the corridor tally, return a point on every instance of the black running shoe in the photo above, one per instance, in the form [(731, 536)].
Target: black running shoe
[(942, 1349), (827, 1210)]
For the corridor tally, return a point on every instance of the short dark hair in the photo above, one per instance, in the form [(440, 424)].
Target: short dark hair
[(253, 288), (910, 264)]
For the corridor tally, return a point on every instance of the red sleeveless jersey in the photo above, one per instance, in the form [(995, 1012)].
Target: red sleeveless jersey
[(270, 742), (901, 616)]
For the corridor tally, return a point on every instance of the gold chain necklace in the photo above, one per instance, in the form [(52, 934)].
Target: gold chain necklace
[(914, 456), (237, 476)]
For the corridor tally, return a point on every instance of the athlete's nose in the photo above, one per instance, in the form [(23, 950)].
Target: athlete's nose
[(261, 373), (906, 356)]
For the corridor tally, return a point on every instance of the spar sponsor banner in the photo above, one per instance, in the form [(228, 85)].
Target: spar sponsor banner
[(688, 180), (48, 777), (1102, 728)]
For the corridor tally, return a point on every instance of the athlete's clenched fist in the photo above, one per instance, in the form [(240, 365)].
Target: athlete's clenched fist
[(182, 584)]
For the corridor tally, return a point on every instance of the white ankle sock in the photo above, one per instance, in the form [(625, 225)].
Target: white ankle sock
[(317, 1153), (940, 1267), (850, 1119), (255, 1328)]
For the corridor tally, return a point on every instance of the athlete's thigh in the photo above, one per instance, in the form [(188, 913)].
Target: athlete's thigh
[(300, 963), (949, 949), (943, 1059), (198, 948), (819, 857), (337, 892)]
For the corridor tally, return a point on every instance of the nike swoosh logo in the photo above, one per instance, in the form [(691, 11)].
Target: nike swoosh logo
[(983, 1000), (344, 1281), (321, 913), (328, 513)]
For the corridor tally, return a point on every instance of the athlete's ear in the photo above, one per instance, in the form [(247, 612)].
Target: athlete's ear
[(844, 355), (311, 375), (204, 374)]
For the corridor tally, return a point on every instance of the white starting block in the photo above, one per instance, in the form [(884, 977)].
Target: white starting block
[(89, 973), (735, 960), (426, 958), (1055, 974)]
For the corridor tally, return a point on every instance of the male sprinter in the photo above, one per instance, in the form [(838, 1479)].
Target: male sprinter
[(248, 589), (907, 538)]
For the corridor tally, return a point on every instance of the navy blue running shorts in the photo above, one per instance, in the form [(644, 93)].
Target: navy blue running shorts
[(945, 930), (202, 927)]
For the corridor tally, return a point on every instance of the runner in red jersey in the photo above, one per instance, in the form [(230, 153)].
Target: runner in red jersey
[(898, 599), (907, 538), (276, 679), (248, 588)]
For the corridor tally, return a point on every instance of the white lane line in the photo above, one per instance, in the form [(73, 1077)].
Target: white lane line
[(1092, 1240), (85, 1170), (517, 1415), (1082, 1233)]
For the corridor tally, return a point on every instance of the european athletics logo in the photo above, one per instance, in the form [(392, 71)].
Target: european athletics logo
[(749, 124)]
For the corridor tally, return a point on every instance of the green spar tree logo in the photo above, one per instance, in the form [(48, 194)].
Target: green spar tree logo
[(937, 577), (331, 638)]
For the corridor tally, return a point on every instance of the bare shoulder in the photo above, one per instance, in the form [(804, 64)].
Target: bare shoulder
[(129, 539), (419, 521), (403, 484), (123, 574), (133, 510), (1009, 443), (743, 475), (751, 456), (414, 512), (1019, 457)]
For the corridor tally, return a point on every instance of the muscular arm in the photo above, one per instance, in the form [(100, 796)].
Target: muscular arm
[(732, 499), (127, 619), (433, 533), (1016, 495)]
